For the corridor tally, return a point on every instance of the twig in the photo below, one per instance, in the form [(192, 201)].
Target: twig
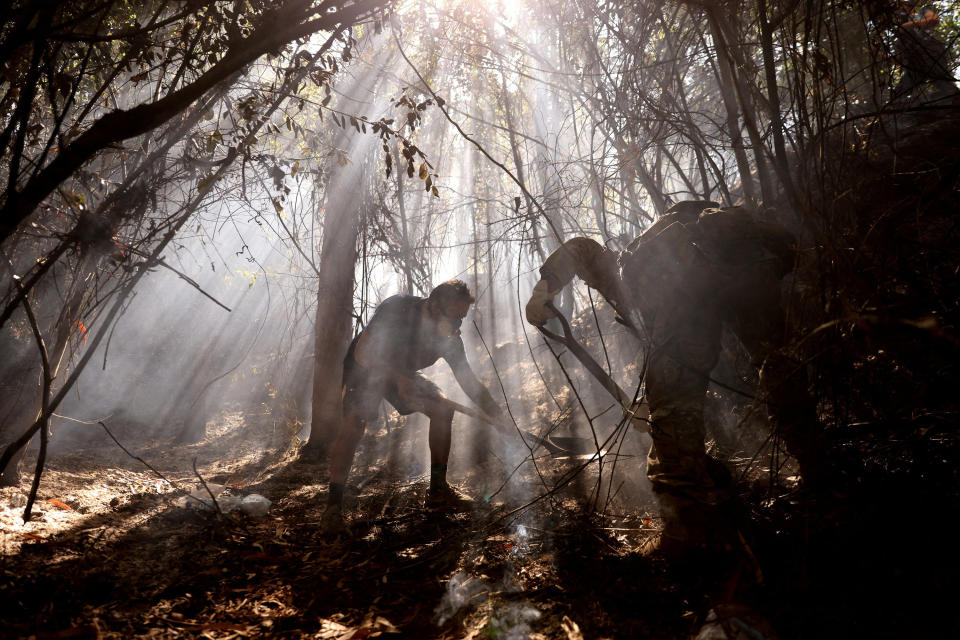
[(637, 394), (563, 415), (596, 322), (586, 414), (506, 402), (563, 482), (503, 167), (204, 483), (43, 265), (137, 458), (106, 347), (44, 419), (183, 276), (526, 336)]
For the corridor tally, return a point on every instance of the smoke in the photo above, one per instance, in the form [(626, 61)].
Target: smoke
[(512, 621), (462, 589), (176, 360), (505, 620)]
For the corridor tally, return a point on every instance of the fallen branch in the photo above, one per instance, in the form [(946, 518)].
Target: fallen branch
[(44, 419), (204, 483), (137, 458)]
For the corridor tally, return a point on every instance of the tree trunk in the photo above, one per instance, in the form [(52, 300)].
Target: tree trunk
[(338, 259), (406, 246), (725, 83)]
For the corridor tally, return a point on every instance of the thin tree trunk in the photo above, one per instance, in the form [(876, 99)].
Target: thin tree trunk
[(726, 85), (406, 247), (773, 97), (338, 260), (491, 298), (726, 39)]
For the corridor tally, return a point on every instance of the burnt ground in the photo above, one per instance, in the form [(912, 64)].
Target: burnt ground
[(108, 555)]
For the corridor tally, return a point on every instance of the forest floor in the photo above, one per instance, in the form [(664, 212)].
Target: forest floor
[(108, 554)]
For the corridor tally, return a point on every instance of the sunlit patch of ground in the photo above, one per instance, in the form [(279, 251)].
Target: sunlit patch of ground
[(90, 486)]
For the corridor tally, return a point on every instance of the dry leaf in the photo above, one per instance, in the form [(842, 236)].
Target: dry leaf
[(571, 628)]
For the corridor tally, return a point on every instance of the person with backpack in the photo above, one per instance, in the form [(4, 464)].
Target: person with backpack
[(698, 269)]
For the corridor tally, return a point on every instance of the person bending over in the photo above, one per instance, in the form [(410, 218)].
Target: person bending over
[(698, 269), (406, 334)]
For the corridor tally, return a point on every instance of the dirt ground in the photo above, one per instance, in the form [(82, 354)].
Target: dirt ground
[(109, 555)]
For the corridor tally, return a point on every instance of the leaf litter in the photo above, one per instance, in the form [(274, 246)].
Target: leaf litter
[(111, 557)]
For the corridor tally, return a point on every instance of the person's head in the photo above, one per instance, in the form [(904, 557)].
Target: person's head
[(448, 305), (688, 210), (904, 10)]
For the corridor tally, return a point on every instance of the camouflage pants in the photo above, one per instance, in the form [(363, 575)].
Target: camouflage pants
[(685, 479), (691, 486)]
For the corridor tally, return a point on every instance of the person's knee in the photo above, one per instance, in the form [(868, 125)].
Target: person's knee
[(679, 425), (352, 427), (440, 416)]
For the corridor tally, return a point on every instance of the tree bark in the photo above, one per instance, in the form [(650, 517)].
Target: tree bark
[(725, 83), (338, 260)]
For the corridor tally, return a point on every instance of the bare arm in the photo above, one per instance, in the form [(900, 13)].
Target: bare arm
[(930, 19), (467, 379)]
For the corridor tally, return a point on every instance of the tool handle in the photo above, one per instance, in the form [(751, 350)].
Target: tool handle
[(586, 359)]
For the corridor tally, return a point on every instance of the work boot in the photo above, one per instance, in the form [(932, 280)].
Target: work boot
[(694, 530), (443, 496), (676, 541), (332, 523)]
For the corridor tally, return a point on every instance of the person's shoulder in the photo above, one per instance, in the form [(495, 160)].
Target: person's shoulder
[(401, 300), (399, 305)]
